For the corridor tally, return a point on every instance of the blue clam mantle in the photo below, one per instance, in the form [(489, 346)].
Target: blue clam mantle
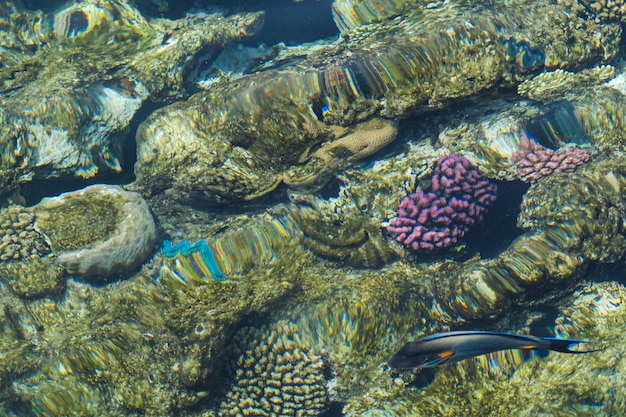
[(207, 264)]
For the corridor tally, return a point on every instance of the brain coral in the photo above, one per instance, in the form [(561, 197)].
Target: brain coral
[(278, 374)]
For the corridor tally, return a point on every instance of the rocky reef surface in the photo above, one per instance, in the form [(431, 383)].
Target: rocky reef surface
[(247, 267), (73, 80)]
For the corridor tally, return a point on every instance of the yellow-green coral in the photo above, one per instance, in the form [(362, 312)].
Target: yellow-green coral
[(18, 236), (277, 374), (33, 275), (555, 85), (26, 264)]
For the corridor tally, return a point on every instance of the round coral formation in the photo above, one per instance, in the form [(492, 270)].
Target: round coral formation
[(26, 264), (534, 161), (430, 220), (18, 237), (278, 374), (100, 230)]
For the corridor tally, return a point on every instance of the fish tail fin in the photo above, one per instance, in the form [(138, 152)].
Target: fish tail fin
[(564, 345)]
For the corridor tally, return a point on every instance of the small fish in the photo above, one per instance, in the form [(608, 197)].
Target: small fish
[(440, 348)]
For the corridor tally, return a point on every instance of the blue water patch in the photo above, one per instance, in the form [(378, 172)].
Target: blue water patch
[(201, 247)]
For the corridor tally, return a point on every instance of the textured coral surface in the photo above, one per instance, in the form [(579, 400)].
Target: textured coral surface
[(251, 258)]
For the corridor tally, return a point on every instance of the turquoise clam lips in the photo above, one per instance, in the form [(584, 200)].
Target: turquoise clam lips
[(201, 247)]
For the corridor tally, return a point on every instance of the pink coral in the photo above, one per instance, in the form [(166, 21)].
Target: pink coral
[(436, 219), (534, 161)]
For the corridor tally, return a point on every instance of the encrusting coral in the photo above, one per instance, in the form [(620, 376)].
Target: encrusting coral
[(610, 10), (367, 138), (18, 236)]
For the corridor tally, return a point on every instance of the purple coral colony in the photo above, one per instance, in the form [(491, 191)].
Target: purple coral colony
[(431, 220), (534, 161)]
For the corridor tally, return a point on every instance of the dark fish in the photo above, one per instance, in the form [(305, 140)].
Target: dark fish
[(440, 348)]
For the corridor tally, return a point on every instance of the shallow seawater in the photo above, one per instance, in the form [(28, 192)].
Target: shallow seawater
[(247, 207)]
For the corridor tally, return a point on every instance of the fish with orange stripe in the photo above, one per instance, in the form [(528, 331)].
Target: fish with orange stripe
[(451, 347)]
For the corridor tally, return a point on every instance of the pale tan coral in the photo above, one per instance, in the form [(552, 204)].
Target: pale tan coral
[(607, 9), (364, 140)]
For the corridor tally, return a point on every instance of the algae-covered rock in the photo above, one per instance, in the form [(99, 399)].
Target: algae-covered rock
[(242, 138), (555, 85), (590, 203), (101, 352), (72, 81), (100, 230)]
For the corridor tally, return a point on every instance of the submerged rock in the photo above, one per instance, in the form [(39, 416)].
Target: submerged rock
[(242, 138), (72, 81)]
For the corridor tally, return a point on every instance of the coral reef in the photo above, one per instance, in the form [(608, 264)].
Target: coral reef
[(73, 81), (27, 265), (277, 374), (605, 9), (100, 230), (439, 218), (558, 385), (573, 219), (94, 352), (33, 276), (587, 117), (552, 86), (534, 161), (240, 140), (159, 341), (590, 205)]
